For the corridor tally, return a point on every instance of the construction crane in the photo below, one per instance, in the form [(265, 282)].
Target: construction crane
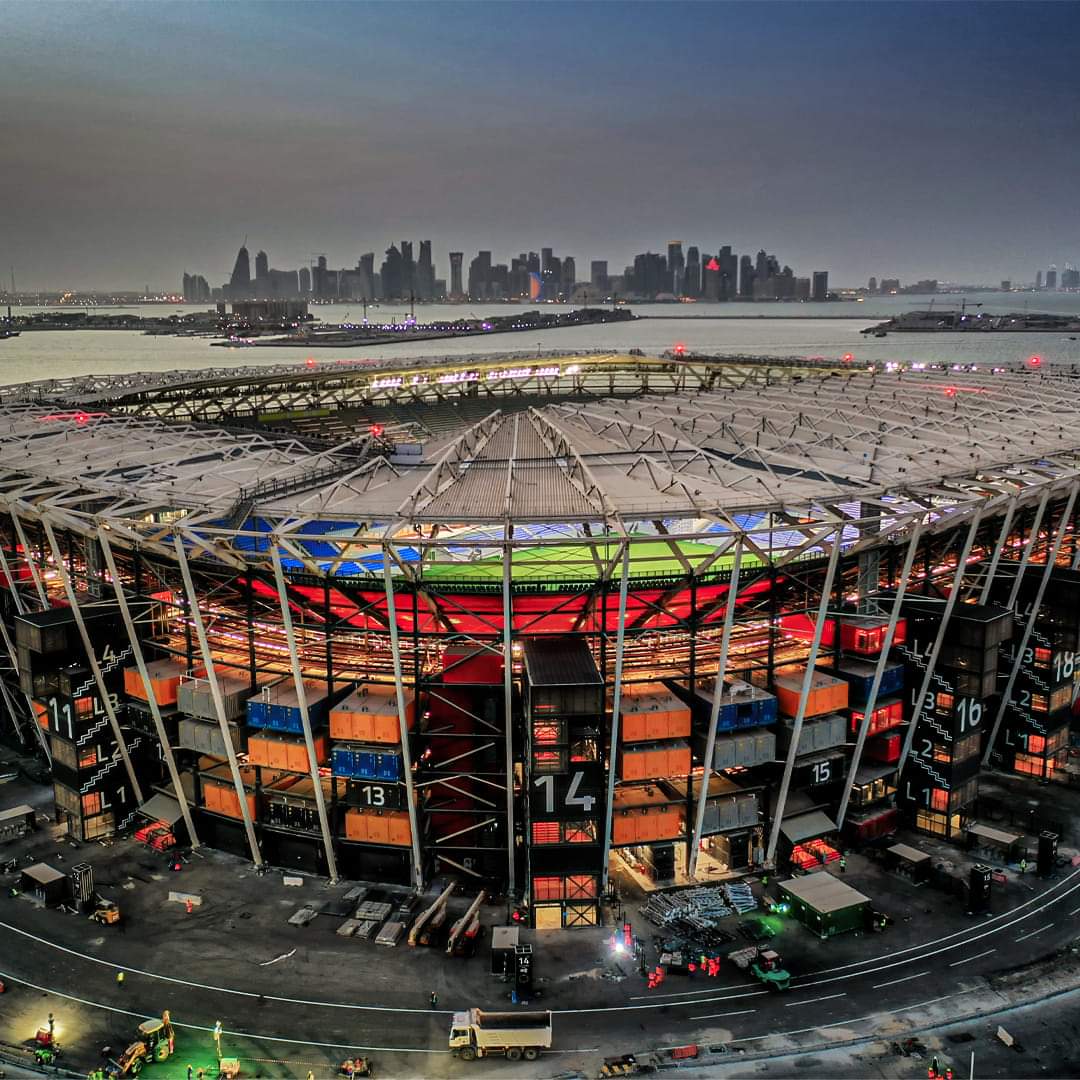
[(463, 933)]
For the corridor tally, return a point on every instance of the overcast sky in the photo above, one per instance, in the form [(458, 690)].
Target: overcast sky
[(898, 139)]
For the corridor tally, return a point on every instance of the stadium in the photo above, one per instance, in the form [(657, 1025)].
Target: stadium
[(532, 620)]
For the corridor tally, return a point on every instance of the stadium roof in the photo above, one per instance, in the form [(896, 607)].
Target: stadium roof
[(624, 444)]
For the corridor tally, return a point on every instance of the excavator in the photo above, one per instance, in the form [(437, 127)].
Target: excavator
[(156, 1042)]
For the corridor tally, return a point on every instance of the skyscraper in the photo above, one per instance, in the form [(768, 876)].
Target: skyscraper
[(569, 274), (598, 276), (456, 258), (262, 266), (872, 286), (480, 276), (729, 273), (1051, 278), (820, 287), (393, 273), (240, 281), (692, 274), (305, 281), (676, 264), (425, 273), (1038, 279), (746, 277), (366, 265)]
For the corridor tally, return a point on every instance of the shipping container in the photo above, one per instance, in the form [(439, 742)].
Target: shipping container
[(650, 711), (220, 797), (740, 748), (883, 748), (194, 698), (643, 814), (887, 714), (365, 763), (859, 675), (872, 824), (370, 715), (827, 693), (863, 635), (647, 761), (561, 678), (278, 706), (288, 753), (378, 827), (164, 676), (727, 805), (815, 735), (462, 664), (205, 736), (742, 705)]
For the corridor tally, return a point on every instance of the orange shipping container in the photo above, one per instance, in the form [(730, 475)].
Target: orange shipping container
[(164, 680), (282, 753), (827, 694), (644, 815), (378, 827), (369, 715), (222, 799), (648, 761), (650, 711)]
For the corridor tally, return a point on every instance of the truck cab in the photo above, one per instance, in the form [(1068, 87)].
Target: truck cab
[(460, 1035)]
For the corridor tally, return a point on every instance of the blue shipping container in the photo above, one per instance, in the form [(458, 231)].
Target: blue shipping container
[(278, 717), (363, 764), (859, 675)]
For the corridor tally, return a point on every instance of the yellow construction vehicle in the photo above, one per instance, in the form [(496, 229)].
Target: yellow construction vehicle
[(156, 1042), (107, 913)]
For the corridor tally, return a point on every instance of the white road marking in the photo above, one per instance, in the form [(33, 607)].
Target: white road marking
[(283, 956), (1074, 910), (844, 1023), (906, 978), (968, 959), (716, 1016), (810, 1001), (1024, 937)]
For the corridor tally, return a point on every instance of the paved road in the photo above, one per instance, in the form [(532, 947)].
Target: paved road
[(308, 1009)]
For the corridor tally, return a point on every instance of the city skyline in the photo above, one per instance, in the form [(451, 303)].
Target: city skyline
[(141, 153)]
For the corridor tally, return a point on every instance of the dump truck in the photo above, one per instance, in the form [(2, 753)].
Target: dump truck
[(764, 964), (476, 1034)]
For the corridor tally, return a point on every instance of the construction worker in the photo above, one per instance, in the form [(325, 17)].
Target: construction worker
[(948, 1072), (934, 1065), (1023, 866), (52, 1026), (434, 999), (189, 1072), (119, 978), (217, 1038), (843, 864), (310, 1075)]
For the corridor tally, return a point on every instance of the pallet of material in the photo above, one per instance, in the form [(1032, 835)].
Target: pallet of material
[(390, 934)]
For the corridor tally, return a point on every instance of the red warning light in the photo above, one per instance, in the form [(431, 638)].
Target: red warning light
[(680, 349), (848, 357), (1034, 361), (375, 430), (712, 264), (950, 391), (310, 361)]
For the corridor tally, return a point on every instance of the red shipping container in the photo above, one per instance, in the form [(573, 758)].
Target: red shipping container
[(884, 748), (887, 714), (472, 666), (862, 635)]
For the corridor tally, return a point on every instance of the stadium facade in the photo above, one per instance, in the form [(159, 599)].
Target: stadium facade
[(517, 618)]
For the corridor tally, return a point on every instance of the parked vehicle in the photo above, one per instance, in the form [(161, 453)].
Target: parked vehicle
[(476, 1034)]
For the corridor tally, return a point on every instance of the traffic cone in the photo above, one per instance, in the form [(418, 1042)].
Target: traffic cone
[(189, 906)]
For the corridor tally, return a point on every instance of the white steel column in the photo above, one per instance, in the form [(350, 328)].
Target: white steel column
[(305, 716), (12, 652), (140, 663), (508, 719), (714, 713), (879, 671), (95, 669), (804, 695), (1018, 660), (1029, 547), (616, 706), (403, 726), (931, 663), (215, 692), (1003, 539), (30, 562)]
